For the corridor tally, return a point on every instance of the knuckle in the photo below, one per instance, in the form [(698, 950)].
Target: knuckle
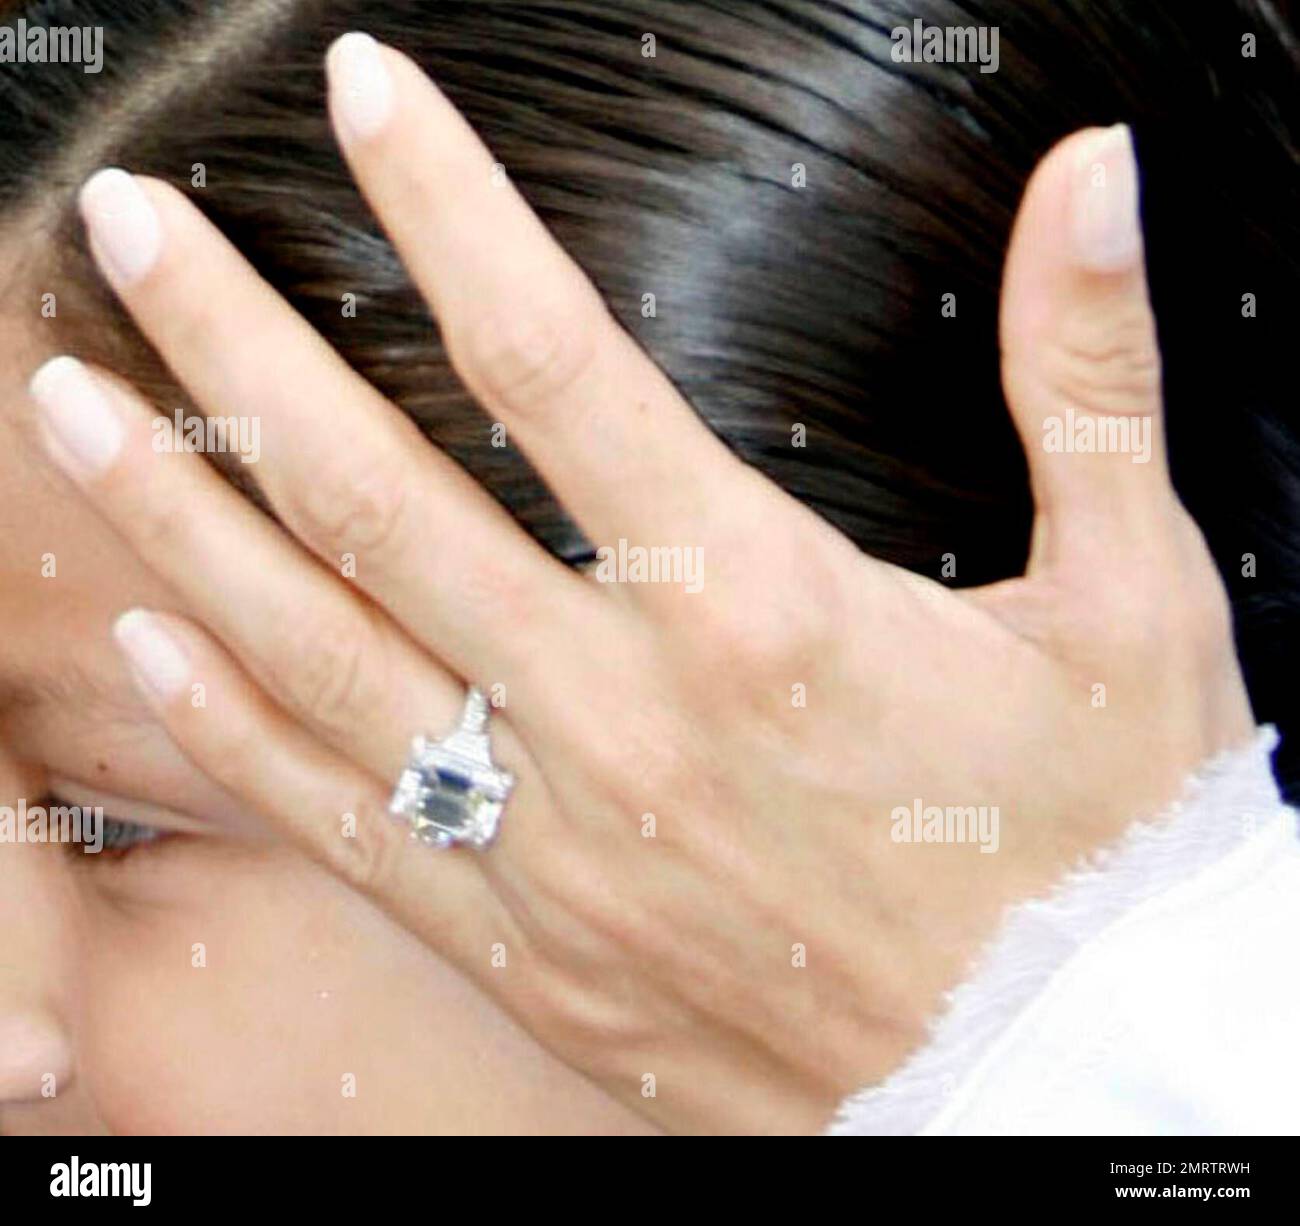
[(762, 645), (329, 674), (358, 510), (370, 859), (526, 360), (1108, 369), (764, 640)]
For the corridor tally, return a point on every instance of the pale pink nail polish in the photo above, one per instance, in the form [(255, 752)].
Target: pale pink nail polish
[(360, 85), (123, 224), (161, 667), (82, 431), (1105, 226)]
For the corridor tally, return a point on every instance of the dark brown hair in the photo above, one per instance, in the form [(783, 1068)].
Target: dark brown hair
[(778, 300)]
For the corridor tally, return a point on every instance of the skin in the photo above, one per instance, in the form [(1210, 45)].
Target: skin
[(674, 956), (305, 979)]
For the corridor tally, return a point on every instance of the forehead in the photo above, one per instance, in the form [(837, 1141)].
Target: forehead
[(69, 710), (64, 573), (68, 706)]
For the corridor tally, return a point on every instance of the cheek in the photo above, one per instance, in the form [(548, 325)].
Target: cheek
[(224, 1015), (312, 1014), (301, 986)]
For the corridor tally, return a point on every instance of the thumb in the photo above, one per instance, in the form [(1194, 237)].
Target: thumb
[(1080, 362)]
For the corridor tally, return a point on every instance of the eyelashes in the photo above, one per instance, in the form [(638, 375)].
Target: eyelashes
[(120, 836)]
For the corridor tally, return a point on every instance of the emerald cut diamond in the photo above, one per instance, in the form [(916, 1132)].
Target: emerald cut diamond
[(451, 792)]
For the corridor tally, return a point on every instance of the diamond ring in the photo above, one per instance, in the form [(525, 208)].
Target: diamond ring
[(451, 791)]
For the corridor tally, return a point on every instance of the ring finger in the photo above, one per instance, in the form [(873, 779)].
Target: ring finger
[(322, 802)]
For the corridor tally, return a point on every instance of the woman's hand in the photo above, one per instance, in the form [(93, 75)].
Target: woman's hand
[(698, 896)]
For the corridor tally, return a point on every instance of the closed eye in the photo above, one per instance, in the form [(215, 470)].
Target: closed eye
[(101, 835), (121, 835)]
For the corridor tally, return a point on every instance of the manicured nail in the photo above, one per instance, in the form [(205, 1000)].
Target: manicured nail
[(360, 84), (161, 668), (123, 224), (82, 430), (1107, 231)]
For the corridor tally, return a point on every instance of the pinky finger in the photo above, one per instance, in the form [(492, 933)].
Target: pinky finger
[(314, 798)]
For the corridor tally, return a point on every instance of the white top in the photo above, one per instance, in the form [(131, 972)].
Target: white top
[(1156, 991)]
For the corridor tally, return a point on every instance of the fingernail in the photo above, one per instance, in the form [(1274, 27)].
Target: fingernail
[(360, 84), (161, 668), (82, 430), (123, 224), (1107, 229)]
